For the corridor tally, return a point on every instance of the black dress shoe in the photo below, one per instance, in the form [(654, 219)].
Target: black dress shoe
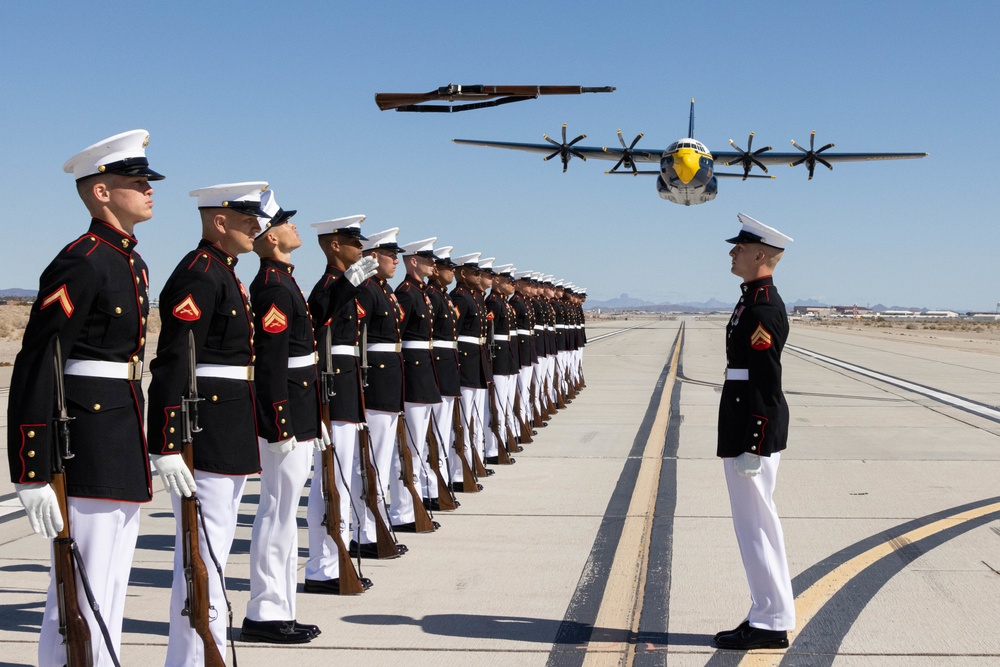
[(534, 432), (434, 505), (492, 460), (371, 550), (308, 627), (744, 624), (746, 638), (330, 586), (273, 632), (490, 471), (459, 487), (410, 527)]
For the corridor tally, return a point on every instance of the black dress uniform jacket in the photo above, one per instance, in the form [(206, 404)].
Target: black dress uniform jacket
[(204, 295), (332, 305), (473, 359), (379, 311), (753, 415), (524, 320), (287, 398), (443, 328), (93, 297), (505, 362), (419, 381), (537, 305)]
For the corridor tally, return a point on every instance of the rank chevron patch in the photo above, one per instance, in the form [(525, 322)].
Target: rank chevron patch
[(361, 311), (760, 339), (275, 321), (187, 309), (60, 296)]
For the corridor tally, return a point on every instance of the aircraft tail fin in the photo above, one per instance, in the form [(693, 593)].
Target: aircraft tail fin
[(691, 121)]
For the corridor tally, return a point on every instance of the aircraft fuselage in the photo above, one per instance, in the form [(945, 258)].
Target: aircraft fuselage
[(687, 173)]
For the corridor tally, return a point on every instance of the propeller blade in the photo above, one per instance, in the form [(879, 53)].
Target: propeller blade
[(825, 163), (824, 148), (750, 143), (635, 141), (621, 139), (759, 164), (549, 157), (582, 136)]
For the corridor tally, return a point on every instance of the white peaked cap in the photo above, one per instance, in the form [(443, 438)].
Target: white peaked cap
[(537, 276), (754, 231), (242, 197), (472, 259), (547, 278), (425, 247), (444, 252), (347, 226), (559, 283), (123, 153), (384, 239), (486, 263), (275, 214), (504, 269), (521, 275)]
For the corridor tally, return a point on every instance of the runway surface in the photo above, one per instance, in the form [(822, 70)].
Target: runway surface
[(610, 542)]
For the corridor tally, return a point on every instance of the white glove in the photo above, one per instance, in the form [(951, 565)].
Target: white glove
[(747, 464), (175, 474), (42, 506), (323, 441), (280, 447), (361, 270)]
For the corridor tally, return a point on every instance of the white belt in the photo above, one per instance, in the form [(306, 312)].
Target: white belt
[(550, 328), (346, 350), (539, 327), (501, 337), (417, 345), (450, 344), (113, 370), (560, 326), (472, 340), (384, 347), (524, 332), (303, 361), (737, 374), (225, 372)]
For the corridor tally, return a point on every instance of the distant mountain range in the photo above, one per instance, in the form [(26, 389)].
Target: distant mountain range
[(17, 292), (625, 302)]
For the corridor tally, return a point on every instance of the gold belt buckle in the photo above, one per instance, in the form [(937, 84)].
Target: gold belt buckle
[(250, 373), (135, 370)]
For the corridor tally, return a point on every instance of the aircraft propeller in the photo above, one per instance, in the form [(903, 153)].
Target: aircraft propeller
[(749, 159), (811, 156), (627, 160), (565, 150)]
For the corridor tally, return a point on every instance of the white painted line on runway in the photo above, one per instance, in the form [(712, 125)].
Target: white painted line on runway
[(613, 333), (987, 411)]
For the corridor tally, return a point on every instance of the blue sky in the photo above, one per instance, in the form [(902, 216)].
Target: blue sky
[(284, 92)]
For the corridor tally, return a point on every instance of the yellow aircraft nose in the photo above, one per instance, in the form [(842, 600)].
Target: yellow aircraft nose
[(687, 162)]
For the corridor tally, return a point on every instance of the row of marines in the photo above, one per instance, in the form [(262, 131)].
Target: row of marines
[(396, 399)]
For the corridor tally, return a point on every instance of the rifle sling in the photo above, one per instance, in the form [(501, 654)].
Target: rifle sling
[(82, 570), (222, 578)]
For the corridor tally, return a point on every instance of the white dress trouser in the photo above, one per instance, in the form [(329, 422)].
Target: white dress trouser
[(508, 405), (501, 391), (382, 429), (550, 367), (324, 560), (762, 545), (105, 532), (220, 502), (274, 541), (538, 373), (524, 390), (472, 407), (442, 424)]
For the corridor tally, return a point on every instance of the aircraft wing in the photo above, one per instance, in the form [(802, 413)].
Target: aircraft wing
[(595, 152), (733, 158)]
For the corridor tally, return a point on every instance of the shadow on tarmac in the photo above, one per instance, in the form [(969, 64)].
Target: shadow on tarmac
[(519, 628)]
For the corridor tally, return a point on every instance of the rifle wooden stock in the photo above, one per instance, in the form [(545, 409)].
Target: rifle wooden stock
[(557, 381), (421, 519), (446, 501), (503, 458), (72, 625), (385, 544), (521, 423), (195, 573), (469, 482), (452, 92), (350, 582)]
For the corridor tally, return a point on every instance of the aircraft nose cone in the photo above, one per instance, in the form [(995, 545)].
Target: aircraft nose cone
[(686, 164)]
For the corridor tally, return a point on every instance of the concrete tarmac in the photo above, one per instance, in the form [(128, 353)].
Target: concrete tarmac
[(610, 541)]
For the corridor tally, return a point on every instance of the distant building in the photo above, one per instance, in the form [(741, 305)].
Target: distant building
[(832, 311)]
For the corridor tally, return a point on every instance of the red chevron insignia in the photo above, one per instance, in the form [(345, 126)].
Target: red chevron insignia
[(60, 296), (275, 321), (760, 339), (187, 309), (361, 311)]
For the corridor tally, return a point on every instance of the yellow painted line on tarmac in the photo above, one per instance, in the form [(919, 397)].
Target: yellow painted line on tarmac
[(812, 600), (623, 594)]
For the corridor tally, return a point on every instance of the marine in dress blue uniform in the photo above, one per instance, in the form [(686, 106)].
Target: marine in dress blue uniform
[(505, 362), (203, 295), (524, 324), (287, 407), (753, 431), (94, 299)]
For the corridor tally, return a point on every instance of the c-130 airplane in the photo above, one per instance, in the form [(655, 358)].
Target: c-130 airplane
[(687, 168)]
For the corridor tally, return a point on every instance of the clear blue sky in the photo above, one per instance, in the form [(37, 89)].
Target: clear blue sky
[(283, 92)]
